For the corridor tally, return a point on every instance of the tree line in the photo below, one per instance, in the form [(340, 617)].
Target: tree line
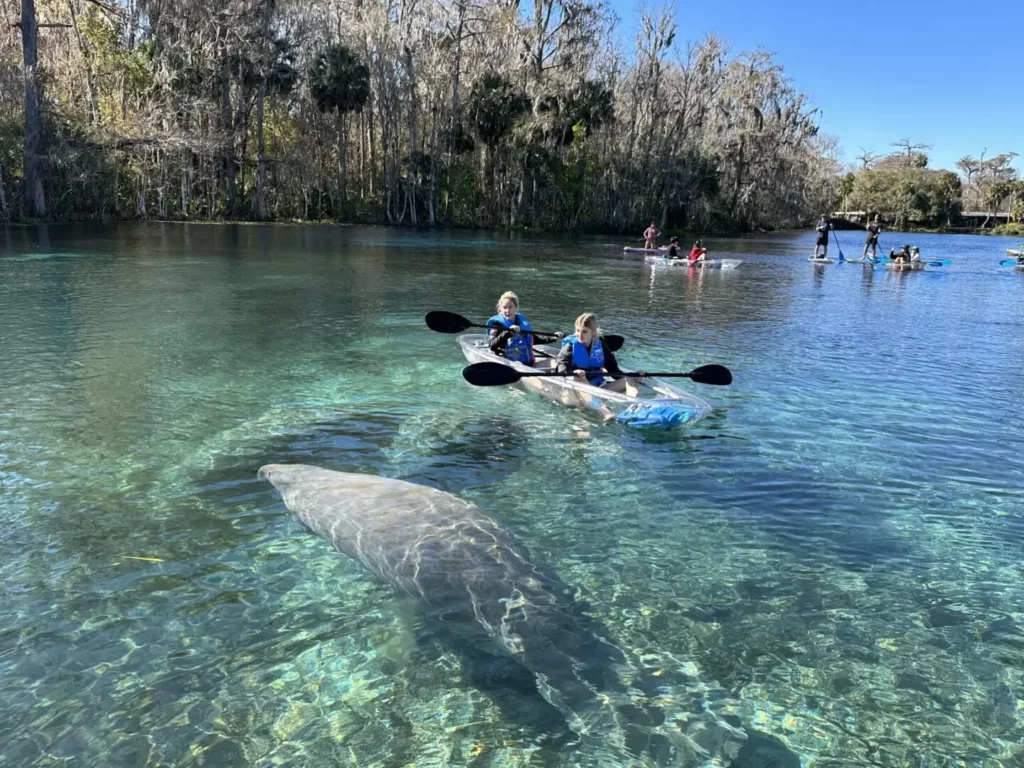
[(493, 113), (904, 190)]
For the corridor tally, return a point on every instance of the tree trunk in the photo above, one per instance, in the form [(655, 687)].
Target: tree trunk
[(362, 158), (342, 160), (3, 196), (431, 208), (35, 200), (90, 74), (228, 127), (261, 165), (186, 174)]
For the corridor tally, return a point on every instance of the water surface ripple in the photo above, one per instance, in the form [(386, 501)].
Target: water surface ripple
[(835, 553)]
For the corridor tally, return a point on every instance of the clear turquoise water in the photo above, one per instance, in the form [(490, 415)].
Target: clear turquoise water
[(838, 547)]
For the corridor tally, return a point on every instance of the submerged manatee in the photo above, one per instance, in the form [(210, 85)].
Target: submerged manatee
[(478, 582)]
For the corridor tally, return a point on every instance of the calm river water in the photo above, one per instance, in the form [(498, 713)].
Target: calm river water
[(835, 555)]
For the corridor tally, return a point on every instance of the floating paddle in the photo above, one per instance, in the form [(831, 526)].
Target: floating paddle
[(499, 374), (449, 322)]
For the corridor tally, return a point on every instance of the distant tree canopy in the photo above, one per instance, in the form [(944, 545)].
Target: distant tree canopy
[(466, 112), (902, 188)]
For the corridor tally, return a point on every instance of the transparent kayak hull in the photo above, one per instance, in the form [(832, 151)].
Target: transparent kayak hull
[(905, 266), (653, 404), (685, 262)]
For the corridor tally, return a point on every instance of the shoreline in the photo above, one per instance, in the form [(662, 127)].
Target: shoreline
[(838, 226)]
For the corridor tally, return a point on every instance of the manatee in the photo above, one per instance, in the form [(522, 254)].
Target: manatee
[(476, 581)]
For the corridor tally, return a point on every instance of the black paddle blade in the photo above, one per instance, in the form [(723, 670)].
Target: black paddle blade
[(447, 322), (712, 374), (490, 374), (613, 342)]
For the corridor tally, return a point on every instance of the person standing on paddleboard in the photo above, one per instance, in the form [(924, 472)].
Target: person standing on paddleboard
[(874, 228), (651, 236), (822, 239)]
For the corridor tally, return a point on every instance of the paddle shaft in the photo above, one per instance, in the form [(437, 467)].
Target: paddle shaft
[(593, 373), (838, 246)]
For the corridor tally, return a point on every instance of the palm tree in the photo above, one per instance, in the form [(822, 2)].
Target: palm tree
[(278, 76), (340, 80)]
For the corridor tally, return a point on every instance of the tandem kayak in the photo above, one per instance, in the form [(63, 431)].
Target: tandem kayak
[(905, 266), (705, 263), (654, 404)]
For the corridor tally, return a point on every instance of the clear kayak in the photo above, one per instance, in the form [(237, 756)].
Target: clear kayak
[(652, 404), (905, 266), (704, 263)]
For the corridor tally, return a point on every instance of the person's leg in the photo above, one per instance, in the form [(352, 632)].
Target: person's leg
[(614, 385)]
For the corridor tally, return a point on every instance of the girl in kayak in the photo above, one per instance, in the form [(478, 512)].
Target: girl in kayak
[(585, 350), (698, 251), (511, 336), (673, 249), (900, 256)]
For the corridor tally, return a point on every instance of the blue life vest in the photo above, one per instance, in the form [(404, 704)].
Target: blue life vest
[(520, 346), (581, 358)]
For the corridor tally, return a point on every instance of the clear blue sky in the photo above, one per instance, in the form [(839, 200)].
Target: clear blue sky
[(944, 73)]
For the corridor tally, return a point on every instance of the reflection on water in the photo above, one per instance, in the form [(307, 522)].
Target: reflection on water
[(834, 554)]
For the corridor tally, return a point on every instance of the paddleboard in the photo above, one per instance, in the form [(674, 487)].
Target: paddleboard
[(863, 261), (646, 251), (821, 261)]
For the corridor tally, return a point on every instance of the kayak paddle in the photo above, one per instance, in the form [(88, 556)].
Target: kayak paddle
[(836, 238), (449, 322), (1008, 262), (499, 374)]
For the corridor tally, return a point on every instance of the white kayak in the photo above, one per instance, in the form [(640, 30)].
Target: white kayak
[(653, 403), (685, 262)]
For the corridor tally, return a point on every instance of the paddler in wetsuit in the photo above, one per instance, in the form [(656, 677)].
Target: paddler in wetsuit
[(510, 335), (874, 228)]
